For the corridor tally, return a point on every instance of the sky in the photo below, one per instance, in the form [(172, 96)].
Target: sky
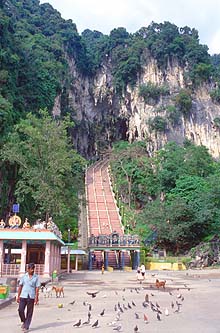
[(105, 15)]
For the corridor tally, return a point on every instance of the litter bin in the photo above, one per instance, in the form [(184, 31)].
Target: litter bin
[(4, 290)]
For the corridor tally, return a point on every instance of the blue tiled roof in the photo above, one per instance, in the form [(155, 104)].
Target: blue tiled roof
[(29, 235)]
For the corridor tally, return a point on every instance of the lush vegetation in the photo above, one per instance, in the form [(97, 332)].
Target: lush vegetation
[(173, 195), (37, 47), (47, 171)]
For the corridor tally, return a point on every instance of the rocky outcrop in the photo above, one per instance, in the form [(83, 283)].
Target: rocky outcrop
[(205, 254), (101, 116)]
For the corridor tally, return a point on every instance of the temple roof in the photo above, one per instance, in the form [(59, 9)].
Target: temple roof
[(15, 234)]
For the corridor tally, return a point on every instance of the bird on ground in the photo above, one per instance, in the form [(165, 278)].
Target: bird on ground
[(152, 294), (145, 304), (133, 303), (166, 312), (146, 319), (146, 298), (116, 293), (172, 305), (87, 322), (118, 316), (136, 329), (137, 315), (96, 324), (120, 309), (157, 305), (112, 323), (89, 315), (125, 307), (117, 328), (77, 324), (93, 294), (73, 302), (129, 306), (177, 310), (115, 308), (90, 307), (102, 313), (158, 317), (170, 293)]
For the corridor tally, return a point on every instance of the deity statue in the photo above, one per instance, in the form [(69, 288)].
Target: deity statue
[(26, 224), (2, 224)]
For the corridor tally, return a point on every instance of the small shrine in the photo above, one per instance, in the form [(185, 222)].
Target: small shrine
[(22, 243)]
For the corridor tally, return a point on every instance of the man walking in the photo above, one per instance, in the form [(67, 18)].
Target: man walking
[(28, 291)]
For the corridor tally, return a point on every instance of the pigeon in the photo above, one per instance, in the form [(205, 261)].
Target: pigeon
[(89, 315), (166, 312), (158, 317), (118, 316), (135, 329), (86, 322), (133, 303), (90, 307), (93, 294), (77, 324), (137, 315), (146, 319), (146, 298), (117, 328), (73, 302), (129, 306), (157, 305), (96, 323), (177, 310), (102, 313), (172, 305)]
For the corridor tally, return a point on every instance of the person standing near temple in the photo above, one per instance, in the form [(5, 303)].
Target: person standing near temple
[(143, 270), (28, 292)]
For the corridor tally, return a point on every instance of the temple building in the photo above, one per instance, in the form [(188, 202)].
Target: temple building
[(39, 244)]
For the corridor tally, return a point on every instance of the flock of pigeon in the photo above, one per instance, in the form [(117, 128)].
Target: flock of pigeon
[(141, 304)]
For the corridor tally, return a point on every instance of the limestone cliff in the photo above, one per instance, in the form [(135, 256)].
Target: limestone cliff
[(101, 116)]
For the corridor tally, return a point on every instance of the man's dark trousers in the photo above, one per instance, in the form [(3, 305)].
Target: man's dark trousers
[(29, 303)]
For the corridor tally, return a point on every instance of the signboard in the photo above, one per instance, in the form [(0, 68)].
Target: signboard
[(15, 208)]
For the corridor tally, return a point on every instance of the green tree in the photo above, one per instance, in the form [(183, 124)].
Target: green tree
[(49, 170)]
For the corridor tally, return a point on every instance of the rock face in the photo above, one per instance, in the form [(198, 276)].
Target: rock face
[(206, 254), (102, 116)]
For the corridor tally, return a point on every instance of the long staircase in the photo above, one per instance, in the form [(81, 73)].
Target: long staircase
[(103, 219)]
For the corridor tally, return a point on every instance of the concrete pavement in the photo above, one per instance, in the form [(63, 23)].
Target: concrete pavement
[(197, 291)]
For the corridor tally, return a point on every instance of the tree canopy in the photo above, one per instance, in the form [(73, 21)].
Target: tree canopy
[(172, 193), (49, 171)]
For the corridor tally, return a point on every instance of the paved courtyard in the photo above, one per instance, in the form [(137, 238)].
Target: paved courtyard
[(194, 295)]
